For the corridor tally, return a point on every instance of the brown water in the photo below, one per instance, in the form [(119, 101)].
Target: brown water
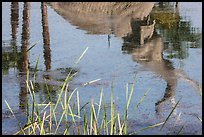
[(159, 43)]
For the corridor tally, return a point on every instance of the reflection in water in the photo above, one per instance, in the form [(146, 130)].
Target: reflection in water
[(14, 19), (142, 30), (177, 30), (10, 53), (23, 65), (150, 56), (47, 55), (129, 21), (14, 27), (103, 17), (135, 23), (46, 36)]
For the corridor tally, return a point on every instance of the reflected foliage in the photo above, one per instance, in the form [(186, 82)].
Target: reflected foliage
[(177, 30), (16, 56)]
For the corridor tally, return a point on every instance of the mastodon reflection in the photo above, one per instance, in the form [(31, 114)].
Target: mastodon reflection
[(150, 56), (130, 21), (103, 17)]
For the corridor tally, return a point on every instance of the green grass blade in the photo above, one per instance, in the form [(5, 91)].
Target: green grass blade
[(14, 116), (127, 106), (42, 130), (94, 118), (112, 109), (85, 127), (59, 122), (81, 56), (141, 100), (126, 91), (198, 118), (100, 101), (32, 46), (180, 130), (170, 114), (90, 82), (130, 96), (91, 121), (36, 66), (78, 103), (146, 128)]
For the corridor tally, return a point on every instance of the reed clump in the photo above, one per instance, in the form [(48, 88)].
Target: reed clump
[(78, 119)]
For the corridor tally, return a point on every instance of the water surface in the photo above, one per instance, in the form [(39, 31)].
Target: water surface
[(166, 58)]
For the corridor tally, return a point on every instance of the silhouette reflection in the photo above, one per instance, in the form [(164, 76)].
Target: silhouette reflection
[(135, 23), (103, 17), (150, 56)]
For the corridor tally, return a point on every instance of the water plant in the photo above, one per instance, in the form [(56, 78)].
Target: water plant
[(87, 119)]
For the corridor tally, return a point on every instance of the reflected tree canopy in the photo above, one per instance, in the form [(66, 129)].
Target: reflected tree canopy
[(177, 30)]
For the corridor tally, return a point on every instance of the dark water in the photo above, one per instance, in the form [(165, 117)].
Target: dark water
[(163, 50)]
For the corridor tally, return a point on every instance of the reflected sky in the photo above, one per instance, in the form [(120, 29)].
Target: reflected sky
[(117, 51)]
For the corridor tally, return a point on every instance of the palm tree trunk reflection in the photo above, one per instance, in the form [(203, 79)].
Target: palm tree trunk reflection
[(14, 27), (46, 36), (14, 19), (23, 99)]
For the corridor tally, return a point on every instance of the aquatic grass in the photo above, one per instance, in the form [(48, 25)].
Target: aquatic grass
[(34, 106), (110, 127), (141, 100), (114, 126), (170, 114), (112, 109), (81, 56), (21, 129), (200, 119), (36, 66), (162, 124), (180, 130), (146, 128), (33, 46), (127, 105), (45, 118), (91, 82)]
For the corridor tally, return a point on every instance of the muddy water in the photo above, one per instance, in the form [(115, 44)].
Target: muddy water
[(161, 45)]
